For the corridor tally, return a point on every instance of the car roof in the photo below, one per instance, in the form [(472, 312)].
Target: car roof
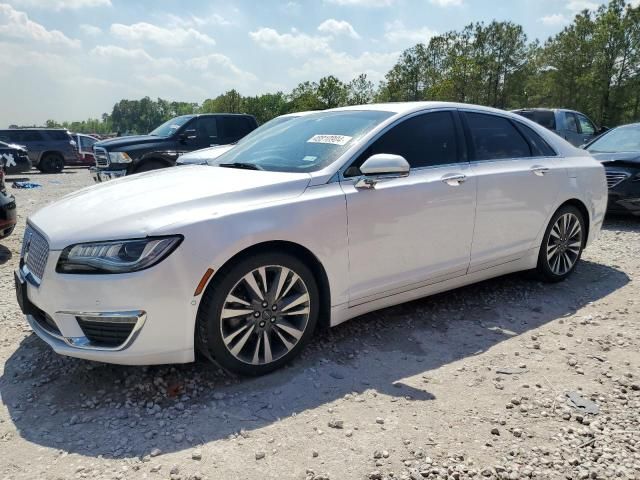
[(408, 107)]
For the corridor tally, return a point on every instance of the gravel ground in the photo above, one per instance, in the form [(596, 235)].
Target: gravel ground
[(468, 384)]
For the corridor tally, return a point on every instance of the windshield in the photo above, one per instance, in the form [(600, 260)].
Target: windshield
[(621, 139), (303, 144), (169, 128)]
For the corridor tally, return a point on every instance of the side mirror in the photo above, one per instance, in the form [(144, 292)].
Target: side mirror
[(601, 130), (382, 166)]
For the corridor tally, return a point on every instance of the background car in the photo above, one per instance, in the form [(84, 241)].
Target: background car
[(574, 127), (619, 151), (49, 149), (85, 145), (200, 157), (16, 159), (8, 213), (122, 156), (317, 221)]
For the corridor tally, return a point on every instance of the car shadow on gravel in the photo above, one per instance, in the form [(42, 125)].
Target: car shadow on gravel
[(621, 223), (97, 409), (5, 254)]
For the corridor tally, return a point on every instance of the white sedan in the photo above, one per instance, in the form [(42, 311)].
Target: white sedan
[(314, 221)]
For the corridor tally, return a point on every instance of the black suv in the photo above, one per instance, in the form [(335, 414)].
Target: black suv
[(122, 156), (49, 149)]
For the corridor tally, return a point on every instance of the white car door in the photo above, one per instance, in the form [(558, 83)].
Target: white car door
[(407, 232), (518, 182)]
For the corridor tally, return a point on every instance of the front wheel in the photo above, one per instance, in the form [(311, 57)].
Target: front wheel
[(562, 244), (258, 314)]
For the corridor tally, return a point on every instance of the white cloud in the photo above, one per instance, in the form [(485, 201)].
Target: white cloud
[(447, 3), (198, 21), (113, 51), (16, 24), (174, 37), (554, 19), (362, 3), (577, 6), (63, 4), (338, 27), (295, 43), (90, 30), (222, 65), (397, 32)]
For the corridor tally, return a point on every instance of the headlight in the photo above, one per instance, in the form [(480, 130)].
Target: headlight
[(119, 157), (119, 256)]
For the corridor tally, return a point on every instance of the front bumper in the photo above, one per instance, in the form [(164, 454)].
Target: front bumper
[(162, 330), (100, 176)]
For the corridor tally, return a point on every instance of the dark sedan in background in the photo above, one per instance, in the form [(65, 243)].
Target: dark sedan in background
[(15, 158), (619, 151), (8, 216)]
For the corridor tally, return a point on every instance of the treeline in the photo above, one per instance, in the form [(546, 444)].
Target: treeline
[(592, 65)]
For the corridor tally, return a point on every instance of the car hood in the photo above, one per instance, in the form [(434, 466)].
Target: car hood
[(161, 202), (119, 142), (628, 157), (200, 157)]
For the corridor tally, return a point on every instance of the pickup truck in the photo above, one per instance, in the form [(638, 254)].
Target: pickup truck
[(161, 148)]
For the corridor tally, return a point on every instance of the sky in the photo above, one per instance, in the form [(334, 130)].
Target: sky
[(73, 59)]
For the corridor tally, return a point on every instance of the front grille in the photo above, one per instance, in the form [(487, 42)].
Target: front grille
[(106, 334), (614, 178), (35, 251), (102, 157)]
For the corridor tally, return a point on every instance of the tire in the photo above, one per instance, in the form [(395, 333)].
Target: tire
[(562, 244), (151, 165), (51, 163), (238, 343)]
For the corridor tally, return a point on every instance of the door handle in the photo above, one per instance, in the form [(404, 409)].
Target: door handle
[(454, 180), (539, 170)]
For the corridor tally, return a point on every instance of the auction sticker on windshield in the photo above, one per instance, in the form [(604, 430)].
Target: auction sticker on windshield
[(331, 139)]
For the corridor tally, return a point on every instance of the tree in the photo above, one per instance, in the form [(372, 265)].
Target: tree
[(360, 90)]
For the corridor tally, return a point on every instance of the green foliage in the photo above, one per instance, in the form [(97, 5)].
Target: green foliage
[(592, 65)]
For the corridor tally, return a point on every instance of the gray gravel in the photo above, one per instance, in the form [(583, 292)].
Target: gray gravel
[(467, 384)]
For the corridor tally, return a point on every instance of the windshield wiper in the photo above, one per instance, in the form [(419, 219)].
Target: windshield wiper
[(245, 166)]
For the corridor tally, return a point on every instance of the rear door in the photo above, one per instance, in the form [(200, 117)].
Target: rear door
[(518, 181), (570, 130), (33, 141)]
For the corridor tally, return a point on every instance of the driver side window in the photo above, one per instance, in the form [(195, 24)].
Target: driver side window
[(424, 141)]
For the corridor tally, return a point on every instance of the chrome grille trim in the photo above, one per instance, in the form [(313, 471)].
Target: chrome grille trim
[(36, 249), (615, 178), (102, 157)]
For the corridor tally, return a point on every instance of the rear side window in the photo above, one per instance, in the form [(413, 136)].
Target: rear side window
[(235, 128), (25, 136), (545, 118), (539, 148), (57, 135), (424, 141), (495, 138)]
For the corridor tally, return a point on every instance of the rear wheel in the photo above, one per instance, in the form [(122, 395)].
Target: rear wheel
[(51, 163), (258, 314), (562, 244)]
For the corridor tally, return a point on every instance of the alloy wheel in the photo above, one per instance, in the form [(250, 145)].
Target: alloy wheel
[(265, 315), (564, 244)]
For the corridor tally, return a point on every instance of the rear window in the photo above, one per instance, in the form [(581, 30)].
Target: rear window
[(539, 148), (546, 118), (57, 135), (495, 138), (236, 127)]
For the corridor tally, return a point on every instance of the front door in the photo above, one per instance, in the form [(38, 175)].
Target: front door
[(518, 183), (410, 231)]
